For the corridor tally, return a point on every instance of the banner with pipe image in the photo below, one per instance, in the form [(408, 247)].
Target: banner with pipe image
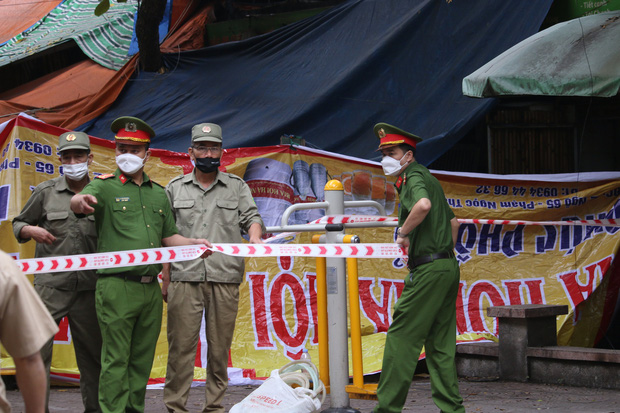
[(500, 264)]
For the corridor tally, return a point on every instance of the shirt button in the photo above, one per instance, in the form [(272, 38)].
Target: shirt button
[(148, 226), (143, 206), (124, 208), (160, 211), (151, 243)]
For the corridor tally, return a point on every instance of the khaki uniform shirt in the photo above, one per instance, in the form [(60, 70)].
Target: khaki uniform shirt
[(216, 213), (434, 233), (49, 208), (25, 323), (130, 217)]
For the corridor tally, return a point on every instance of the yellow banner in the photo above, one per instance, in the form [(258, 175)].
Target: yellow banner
[(500, 264)]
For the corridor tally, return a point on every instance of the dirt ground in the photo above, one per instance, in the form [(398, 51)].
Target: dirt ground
[(480, 395)]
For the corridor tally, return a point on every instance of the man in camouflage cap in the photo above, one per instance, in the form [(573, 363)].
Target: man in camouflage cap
[(47, 219), (425, 314), (131, 212)]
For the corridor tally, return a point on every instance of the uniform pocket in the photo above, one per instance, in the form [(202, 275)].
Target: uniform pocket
[(227, 211)]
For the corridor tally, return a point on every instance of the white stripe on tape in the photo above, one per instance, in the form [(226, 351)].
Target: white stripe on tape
[(189, 252)]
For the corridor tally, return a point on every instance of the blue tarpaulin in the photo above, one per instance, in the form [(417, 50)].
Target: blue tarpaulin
[(331, 77)]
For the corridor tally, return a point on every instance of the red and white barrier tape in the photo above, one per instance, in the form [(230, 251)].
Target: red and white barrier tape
[(190, 252), (349, 219), (588, 222)]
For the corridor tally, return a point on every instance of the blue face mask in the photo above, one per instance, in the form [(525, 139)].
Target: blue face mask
[(207, 165)]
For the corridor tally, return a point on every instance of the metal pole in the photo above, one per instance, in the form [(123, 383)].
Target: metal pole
[(337, 307)]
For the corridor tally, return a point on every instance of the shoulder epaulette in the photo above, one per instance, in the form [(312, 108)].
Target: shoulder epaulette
[(176, 178), (105, 176)]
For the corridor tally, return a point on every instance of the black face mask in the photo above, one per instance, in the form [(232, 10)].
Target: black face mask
[(207, 165)]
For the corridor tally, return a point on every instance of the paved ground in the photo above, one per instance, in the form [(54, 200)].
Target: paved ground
[(484, 396)]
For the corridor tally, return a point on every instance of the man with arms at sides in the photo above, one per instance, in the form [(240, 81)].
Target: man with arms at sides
[(425, 314), (48, 220), (25, 327), (131, 212), (218, 206)]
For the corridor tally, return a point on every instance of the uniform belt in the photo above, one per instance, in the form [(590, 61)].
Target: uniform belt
[(136, 278), (425, 259)]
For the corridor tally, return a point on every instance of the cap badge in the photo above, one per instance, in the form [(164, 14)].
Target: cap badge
[(131, 127), (206, 129), (70, 137), (382, 133)]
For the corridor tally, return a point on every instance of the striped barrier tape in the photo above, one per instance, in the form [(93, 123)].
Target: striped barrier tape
[(189, 252), (349, 219)]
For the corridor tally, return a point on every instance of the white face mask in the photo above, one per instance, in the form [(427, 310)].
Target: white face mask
[(129, 164), (391, 166), (75, 171)]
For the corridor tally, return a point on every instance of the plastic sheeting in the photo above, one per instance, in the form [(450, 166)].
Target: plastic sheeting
[(579, 57), (331, 77)]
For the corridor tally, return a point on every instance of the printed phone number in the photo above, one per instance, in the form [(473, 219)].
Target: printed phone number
[(540, 192)]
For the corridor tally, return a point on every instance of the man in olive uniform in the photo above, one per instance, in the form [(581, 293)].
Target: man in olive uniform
[(218, 206), (425, 314), (131, 212), (47, 219)]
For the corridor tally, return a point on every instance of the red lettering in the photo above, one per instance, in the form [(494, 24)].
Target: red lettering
[(475, 310), (297, 336), (311, 279), (64, 334), (258, 285), (379, 314), (461, 321)]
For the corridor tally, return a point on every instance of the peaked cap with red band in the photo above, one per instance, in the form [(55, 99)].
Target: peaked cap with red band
[(392, 136), (132, 131)]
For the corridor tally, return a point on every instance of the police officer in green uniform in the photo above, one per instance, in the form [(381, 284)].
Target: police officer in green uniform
[(131, 212), (425, 314), (46, 218)]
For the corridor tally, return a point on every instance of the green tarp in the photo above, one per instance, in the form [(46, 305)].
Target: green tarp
[(580, 57), (104, 39)]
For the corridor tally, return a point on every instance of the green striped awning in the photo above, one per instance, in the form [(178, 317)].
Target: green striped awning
[(104, 39)]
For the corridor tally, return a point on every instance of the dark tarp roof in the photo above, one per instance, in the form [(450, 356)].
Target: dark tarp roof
[(580, 57), (331, 77)]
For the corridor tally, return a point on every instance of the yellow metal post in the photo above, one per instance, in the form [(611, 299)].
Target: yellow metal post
[(321, 307)]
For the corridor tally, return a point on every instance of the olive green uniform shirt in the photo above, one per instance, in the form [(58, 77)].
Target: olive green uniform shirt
[(434, 233), (49, 207), (130, 217), (216, 213)]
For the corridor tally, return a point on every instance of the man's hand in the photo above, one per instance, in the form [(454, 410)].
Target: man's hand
[(403, 242), (204, 242), (40, 235), (81, 204)]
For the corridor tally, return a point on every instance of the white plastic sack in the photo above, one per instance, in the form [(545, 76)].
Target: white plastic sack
[(274, 395)]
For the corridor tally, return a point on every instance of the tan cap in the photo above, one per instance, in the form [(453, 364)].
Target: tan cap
[(73, 140), (207, 132)]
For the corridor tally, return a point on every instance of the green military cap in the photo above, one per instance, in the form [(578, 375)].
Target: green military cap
[(73, 140), (392, 136), (207, 132), (132, 131)]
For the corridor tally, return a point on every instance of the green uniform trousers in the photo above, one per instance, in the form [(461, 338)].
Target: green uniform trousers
[(79, 306), (186, 303), (425, 315), (129, 315)]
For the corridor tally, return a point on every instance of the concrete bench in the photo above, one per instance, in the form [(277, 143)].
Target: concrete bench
[(520, 327)]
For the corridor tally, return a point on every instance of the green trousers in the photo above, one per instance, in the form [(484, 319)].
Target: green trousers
[(425, 315), (129, 315)]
